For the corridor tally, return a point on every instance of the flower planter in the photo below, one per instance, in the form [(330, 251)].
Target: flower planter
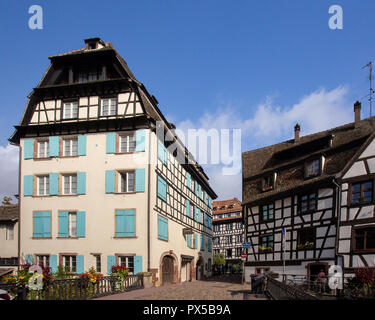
[(147, 282)]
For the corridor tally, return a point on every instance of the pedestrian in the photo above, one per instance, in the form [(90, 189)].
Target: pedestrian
[(321, 279)]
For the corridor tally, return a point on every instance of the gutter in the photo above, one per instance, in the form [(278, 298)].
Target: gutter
[(149, 202)]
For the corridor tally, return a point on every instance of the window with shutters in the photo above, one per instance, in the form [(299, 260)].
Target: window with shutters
[(42, 260), (70, 262), (127, 262), (70, 110), (43, 149), (267, 212), (108, 107), (162, 189), (70, 184), (43, 185), (72, 227), (125, 223), (126, 182), (127, 143), (98, 262), (70, 147)]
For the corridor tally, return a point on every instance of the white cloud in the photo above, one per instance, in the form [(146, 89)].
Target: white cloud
[(271, 123), (9, 171)]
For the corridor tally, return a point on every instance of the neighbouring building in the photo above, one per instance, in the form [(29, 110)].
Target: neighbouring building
[(228, 229), (8, 238), (98, 186), (312, 198)]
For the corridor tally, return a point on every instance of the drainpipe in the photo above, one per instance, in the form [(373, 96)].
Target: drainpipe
[(149, 202)]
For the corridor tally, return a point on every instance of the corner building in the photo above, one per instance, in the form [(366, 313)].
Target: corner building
[(98, 188)]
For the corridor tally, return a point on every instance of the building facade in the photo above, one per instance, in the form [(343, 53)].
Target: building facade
[(99, 184), (295, 199), (228, 229)]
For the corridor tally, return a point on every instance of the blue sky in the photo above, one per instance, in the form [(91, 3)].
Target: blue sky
[(258, 65)]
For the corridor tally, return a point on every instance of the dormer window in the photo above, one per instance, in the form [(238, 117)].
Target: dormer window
[(222, 208), (268, 182), (312, 168)]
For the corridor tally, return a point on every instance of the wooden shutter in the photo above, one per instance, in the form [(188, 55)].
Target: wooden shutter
[(63, 224), (111, 261), (81, 224), (53, 262), (54, 146), (188, 179), (196, 241), (140, 177), (28, 185), (162, 152), (162, 228), (162, 188), (28, 149), (29, 258), (80, 264), (82, 145), (188, 237), (81, 183), (202, 242), (42, 225), (53, 184), (137, 264), (111, 142), (140, 140), (187, 207), (110, 178), (125, 223)]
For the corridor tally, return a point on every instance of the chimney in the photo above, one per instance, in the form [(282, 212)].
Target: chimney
[(297, 130), (357, 114)]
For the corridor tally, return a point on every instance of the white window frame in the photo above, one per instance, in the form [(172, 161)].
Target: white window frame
[(111, 108), (43, 149), (70, 183), (73, 110), (68, 262), (72, 224), (70, 152), (121, 181), (128, 138), (43, 181), (126, 264)]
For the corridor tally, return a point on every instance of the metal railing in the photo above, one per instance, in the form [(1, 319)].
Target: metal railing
[(313, 284)]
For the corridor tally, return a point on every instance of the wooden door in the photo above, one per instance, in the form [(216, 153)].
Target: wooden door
[(167, 270)]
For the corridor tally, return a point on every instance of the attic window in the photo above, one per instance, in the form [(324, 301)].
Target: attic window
[(214, 208), (313, 168), (231, 206), (222, 208), (91, 45), (268, 182)]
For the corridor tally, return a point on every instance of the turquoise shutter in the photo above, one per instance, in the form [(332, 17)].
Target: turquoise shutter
[(111, 261), (162, 228), (195, 213), (81, 224), (28, 149), (28, 185), (188, 240), (199, 215), (125, 223), (196, 188), (187, 207), (80, 264), (199, 191), (204, 197), (140, 177), (162, 188), (38, 225), (162, 152), (53, 262), (54, 146), (196, 241), (111, 142), (63, 224), (53, 184), (29, 258), (137, 264), (81, 183), (202, 242), (82, 145), (140, 140), (47, 224), (188, 179), (110, 177)]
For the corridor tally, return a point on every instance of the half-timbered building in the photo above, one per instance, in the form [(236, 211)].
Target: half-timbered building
[(98, 186), (228, 229), (291, 200)]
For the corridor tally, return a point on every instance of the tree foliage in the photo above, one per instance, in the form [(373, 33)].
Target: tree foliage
[(219, 259)]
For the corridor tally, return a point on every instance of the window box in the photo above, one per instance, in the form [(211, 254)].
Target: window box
[(305, 246), (268, 188), (265, 249)]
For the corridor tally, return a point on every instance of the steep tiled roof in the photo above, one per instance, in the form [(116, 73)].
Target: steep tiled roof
[(9, 213), (338, 145), (227, 204)]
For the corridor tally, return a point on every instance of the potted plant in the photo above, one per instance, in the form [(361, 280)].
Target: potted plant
[(300, 246), (263, 249), (309, 245)]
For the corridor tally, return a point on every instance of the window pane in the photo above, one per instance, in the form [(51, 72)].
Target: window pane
[(74, 144), (370, 238), (123, 182), (73, 224), (105, 107), (66, 185), (131, 181), (356, 187), (74, 184), (74, 109), (67, 148), (368, 185), (124, 144), (131, 143)]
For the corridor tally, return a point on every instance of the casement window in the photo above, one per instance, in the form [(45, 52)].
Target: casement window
[(267, 212), (43, 149), (216, 227), (70, 110), (98, 262), (239, 239), (216, 251), (308, 203), (238, 252), (362, 192), (268, 182), (306, 238), (127, 143), (42, 224), (216, 240), (43, 185), (364, 238), (70, 184), (70, 147), (229, 240), (266, 243), (162, 228), (90, 75), (238, 225), (42, 260), (127, 181), (229, 253), (127, 262), (9, 231), (125, 223), (229, 227), (191, 210), (214, 208), (312, 168), (108, 107), (70, 262), (72, 224)]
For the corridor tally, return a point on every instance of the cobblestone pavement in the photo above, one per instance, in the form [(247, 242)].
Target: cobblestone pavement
[(217, 288)]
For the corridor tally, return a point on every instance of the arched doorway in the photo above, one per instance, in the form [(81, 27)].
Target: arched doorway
[(167, 270), (199, 270)]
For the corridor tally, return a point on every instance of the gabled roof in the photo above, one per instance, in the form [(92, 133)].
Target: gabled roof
[(226, 206), (338, 145), (9, 213)]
